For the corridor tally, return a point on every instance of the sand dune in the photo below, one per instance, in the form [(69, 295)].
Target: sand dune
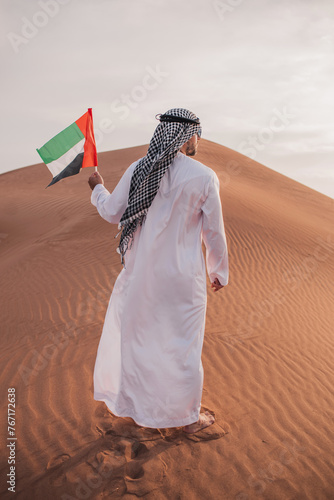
[(267, 356)]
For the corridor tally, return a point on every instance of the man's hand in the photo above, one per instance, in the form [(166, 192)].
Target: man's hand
[(95, 179), (216, 285)]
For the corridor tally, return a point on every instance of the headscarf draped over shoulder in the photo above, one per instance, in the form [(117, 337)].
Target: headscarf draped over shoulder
[(176, 127)]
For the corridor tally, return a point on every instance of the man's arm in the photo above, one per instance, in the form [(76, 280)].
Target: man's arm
[(111, 206), (214, 238)]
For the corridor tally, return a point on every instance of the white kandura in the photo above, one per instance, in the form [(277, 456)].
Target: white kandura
[(148, 364)]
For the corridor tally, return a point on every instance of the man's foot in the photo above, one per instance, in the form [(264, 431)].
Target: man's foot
[(205, 419)]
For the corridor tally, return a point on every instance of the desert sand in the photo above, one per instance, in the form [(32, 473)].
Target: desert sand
[(267, 355)]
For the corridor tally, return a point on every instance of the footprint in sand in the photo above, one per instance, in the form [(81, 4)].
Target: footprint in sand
[(142, 476), (133, 470), (60, 459), (57, 477), (138, 450)]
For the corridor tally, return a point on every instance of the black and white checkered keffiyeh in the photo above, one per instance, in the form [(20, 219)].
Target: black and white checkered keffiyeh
[(167, 140)]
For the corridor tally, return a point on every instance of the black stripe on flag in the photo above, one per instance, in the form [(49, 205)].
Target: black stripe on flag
[(72, 168)]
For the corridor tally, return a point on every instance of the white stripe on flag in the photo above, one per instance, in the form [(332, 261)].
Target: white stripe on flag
[(57, 166)]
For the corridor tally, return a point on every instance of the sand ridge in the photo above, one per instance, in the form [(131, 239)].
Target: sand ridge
[(267, 355)]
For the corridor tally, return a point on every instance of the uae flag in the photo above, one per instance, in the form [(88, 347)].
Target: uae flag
[(70, 150)]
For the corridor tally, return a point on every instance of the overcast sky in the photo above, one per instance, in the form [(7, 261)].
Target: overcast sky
[(259, 74)]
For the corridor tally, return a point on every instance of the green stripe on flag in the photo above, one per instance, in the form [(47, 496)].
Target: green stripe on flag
[(61, 143)]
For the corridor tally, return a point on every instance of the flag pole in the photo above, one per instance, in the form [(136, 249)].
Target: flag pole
[(90, 111)]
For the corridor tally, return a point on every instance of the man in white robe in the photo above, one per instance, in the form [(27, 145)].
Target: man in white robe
[(148, 364)]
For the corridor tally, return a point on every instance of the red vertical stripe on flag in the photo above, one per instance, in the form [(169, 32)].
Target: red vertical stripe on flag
[(85, 124)]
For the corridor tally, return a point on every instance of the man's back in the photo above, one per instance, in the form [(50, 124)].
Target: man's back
[(169, 242), (159, 299), (148, 364)]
